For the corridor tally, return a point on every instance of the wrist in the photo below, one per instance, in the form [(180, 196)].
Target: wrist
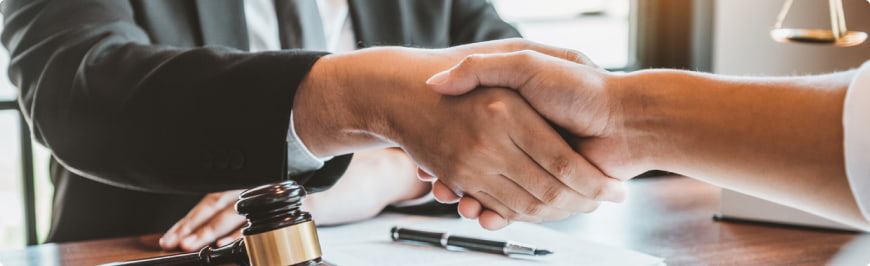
[(328, 116), (648, 114)]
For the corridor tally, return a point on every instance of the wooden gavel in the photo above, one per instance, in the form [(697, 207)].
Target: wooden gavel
[(278, 233)]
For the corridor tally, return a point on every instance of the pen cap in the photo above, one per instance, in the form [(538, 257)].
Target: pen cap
[(278, 231)]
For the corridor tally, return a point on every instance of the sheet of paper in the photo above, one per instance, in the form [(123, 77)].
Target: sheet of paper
[(369, 243)]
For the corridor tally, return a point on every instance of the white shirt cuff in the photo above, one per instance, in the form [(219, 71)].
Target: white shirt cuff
[(299, 157), (856, 138)]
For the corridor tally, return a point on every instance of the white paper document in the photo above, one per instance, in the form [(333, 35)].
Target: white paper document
[(737, 205), (369, 243)]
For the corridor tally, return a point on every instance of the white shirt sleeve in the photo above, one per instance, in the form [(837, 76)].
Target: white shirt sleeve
[(856, 137)]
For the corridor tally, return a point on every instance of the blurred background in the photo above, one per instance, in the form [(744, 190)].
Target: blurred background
[(725, 36)]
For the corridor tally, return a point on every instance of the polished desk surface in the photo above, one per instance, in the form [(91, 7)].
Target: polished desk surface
[(669, 217)]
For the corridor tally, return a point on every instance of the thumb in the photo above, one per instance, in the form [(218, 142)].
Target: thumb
[(509, 70)]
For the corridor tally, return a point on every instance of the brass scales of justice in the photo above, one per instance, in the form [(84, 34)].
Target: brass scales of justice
[(838, 35)]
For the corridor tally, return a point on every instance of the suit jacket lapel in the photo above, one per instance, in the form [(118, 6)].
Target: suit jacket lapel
[(222, 23)]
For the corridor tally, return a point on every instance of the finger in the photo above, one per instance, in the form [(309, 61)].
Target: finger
[(490, 70), (444, 194), (517, 44), (566, 54), (545, 187), (469, 208), (509, 70), (230, 238), (492, 220), (202, 212), (222, 224), (169, 241), (494, 205), (575, 174), (425, 176), (510, 201)]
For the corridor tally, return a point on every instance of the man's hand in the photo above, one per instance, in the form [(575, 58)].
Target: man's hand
[(490, 144), (577, 97), (373, 180), (585, 100), (212, 220)]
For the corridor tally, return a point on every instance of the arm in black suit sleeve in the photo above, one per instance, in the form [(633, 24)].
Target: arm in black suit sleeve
[(116, 108), (476, 21)]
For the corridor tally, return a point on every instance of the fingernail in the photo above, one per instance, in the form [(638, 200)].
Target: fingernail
[(439, 79)]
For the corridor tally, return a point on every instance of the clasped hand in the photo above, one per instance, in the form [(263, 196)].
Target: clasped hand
[(489, 145), (573, 94)]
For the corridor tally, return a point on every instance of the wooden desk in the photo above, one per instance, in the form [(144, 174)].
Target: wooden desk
[(668, 217)]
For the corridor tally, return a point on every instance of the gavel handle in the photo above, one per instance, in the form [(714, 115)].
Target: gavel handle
[(234, 253)]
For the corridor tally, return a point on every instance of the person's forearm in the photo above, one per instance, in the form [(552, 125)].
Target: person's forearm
[(322, 116), (779, 139), (349, 102)]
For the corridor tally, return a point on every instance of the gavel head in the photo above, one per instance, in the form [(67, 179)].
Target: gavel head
[(278, 232)]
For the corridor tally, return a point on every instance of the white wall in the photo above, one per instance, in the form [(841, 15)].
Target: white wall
[(742, 44)]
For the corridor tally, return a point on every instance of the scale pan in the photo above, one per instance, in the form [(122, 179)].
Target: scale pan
[(816, 36)]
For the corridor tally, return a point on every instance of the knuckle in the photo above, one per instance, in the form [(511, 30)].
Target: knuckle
[(598, 193), (513, 216), (211, 198), (497, 109), (575, 56), (535, 210), (469, 61), (184, 229), (563, 168), (556, 196), (526, 57)]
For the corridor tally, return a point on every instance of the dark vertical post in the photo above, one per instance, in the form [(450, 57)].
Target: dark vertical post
[(28, 183), (702, 35), (27, 179), (672, 34)]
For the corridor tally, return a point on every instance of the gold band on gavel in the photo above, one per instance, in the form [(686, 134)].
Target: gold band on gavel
[(286, 246)]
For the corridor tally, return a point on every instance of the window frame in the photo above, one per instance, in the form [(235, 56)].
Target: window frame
[(27, 175)]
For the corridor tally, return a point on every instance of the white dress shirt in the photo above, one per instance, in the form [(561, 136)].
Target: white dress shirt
[(262, 22), (856, 137)]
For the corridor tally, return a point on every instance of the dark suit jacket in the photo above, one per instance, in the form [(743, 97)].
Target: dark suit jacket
[(142, 101)]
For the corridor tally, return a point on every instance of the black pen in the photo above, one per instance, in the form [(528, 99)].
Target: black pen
[(446, 240)]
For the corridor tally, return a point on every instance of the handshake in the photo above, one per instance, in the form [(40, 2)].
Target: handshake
[(516, 131)]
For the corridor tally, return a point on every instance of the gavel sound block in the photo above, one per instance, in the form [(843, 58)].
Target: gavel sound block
[(278, 233)]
